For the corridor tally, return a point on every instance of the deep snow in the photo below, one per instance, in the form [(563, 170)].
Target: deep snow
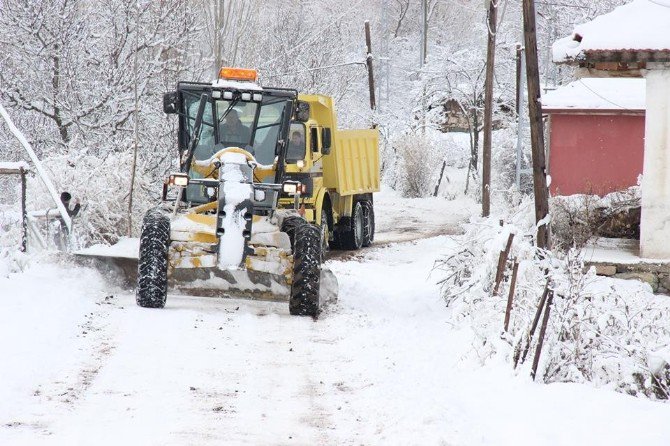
[(82, 364)]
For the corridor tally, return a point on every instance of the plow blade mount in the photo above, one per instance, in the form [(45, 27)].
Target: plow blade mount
[(209, 282), (255, 285)]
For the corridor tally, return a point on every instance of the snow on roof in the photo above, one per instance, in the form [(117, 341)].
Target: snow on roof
[(13, 166), (642, 25), (236, 85), (598, 93)]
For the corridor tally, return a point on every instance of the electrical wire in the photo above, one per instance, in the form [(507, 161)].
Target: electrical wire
[(313, 38), (324, 67), (603, 97)]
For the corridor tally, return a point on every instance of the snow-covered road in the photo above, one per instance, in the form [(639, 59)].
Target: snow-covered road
[(83, 365)]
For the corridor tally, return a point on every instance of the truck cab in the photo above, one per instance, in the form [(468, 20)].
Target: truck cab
[(340, 171)]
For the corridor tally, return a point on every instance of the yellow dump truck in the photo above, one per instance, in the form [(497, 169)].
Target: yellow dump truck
[(266, 183), (340, 169)]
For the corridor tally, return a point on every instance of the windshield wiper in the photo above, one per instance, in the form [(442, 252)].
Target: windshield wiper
[(230, 107)]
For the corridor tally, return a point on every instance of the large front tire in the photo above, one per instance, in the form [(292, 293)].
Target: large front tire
[(306, 285), (152, 267), (290, 224)]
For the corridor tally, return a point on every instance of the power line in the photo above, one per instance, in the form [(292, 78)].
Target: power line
[(324, 67), (567, 5), (603, 97), (311, 39)]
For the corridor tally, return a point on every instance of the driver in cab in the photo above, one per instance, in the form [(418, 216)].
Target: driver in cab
[(296, 145), (233, 131)]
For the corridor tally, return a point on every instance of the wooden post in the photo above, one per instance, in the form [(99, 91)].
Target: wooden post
[(543, 330), (510, 297), (439, 179), (536, 125), (502, 260), (24, 213), (492, 18), (368, 59), (424, 33)]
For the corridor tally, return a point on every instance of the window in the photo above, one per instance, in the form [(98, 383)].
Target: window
[(296, 143), (267, 131)]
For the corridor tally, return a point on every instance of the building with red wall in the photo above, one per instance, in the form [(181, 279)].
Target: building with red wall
[(595, 135)]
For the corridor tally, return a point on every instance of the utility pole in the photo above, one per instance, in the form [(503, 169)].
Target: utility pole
[(422, 60), (383, 75), (424, 33), (520, 109), (368, 59), (536, 124), (133, 169), (492, 18), (218, 15)]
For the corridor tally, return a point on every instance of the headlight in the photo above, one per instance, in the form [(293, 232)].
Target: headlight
[(178, 179), (259, 195), (210, 192), (290, 188), (294, 187)]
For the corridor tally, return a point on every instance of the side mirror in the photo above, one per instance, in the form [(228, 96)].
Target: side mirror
[(302, 111), (170, 102), (326, 141)]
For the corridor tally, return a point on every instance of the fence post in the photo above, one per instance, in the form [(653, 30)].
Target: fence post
[(510, 297), (543, 330), (502, 260), (24, 213)]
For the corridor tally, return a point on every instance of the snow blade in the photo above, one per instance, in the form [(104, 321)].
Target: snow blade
[(210, 282), (244, 284)]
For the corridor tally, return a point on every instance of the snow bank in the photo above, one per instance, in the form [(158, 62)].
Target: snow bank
[(128, 247), (598, 94), (639, 25), (603, 331)]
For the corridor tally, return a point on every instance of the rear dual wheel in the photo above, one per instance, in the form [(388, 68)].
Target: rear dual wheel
[(359, 230), (352, 236), (368, 223)]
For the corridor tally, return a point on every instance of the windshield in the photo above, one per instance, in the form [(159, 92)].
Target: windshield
[(252, 126)]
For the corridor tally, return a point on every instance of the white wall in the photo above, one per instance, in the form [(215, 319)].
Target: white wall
[(655, 224)]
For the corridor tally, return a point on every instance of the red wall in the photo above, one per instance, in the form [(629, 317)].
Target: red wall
[(595, 154)]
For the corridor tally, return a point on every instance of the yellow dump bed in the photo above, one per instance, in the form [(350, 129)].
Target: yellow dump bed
[(352, 167)]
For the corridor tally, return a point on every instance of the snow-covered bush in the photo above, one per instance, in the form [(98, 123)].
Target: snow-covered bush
[(417, 165), (608, 332), (102, 186), (578, 218)]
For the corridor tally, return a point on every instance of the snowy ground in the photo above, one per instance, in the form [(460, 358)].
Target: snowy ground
[(82, 364)]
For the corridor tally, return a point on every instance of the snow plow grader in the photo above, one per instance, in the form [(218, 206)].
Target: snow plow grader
[(267, 184)]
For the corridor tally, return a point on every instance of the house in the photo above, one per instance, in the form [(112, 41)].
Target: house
[(634, 41), (595, 135)]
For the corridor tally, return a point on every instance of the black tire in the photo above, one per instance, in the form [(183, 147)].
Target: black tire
[(325, 232), (305, 289), (152, 267), (351, 236), (289, 226), (368, 223)]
